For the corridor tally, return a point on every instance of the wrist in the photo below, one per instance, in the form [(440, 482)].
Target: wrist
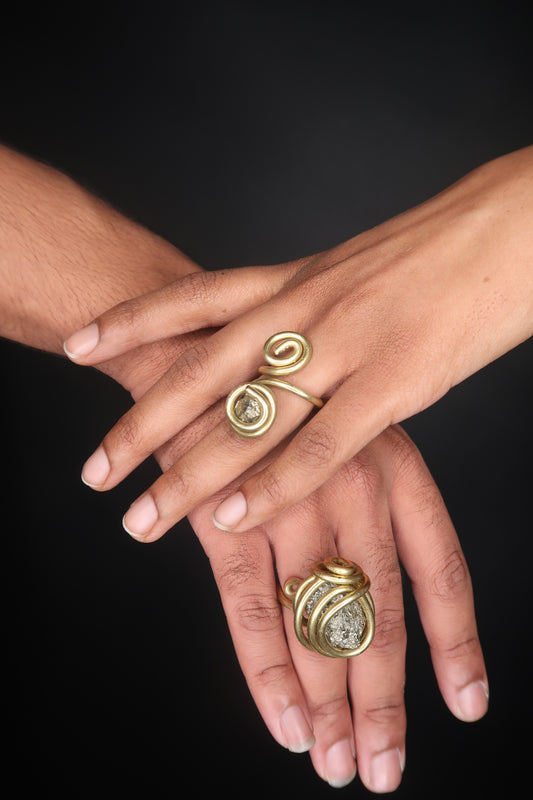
[(66, 256)]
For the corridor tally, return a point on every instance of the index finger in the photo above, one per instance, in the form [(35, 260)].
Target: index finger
[(244, 572), (200, 299)]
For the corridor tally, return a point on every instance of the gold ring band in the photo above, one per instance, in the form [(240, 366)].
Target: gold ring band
[(333, 608), (316, 401), (251, 407)]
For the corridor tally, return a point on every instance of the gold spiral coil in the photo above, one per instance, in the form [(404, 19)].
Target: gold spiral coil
[(297, 353), (333, 608), (251, 407)]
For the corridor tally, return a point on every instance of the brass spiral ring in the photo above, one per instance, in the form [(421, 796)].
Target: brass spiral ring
[(333, 608), (297, 353), (251, 407)]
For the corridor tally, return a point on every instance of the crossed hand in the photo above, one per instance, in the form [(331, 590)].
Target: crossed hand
[(395, 316)]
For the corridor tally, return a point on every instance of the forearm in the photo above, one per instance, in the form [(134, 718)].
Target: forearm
[(66, 256)]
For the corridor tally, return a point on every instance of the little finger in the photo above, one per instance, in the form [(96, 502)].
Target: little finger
[(431, 553)]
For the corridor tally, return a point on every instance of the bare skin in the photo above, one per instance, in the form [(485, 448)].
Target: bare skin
[(396, 317), (64, 258)]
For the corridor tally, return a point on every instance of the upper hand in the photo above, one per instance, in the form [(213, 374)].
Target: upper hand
[(396, 316)]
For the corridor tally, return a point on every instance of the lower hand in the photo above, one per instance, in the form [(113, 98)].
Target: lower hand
[(381, 509)]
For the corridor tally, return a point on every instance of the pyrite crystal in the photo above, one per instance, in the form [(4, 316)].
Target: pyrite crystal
[(345, 629), (247, 409)]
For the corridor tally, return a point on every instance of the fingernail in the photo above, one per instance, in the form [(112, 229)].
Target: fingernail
[(230, 512), (140, 517), (386, 771), (296, 730), (82, 342), (340, 764), (473, 701), (96, 468)]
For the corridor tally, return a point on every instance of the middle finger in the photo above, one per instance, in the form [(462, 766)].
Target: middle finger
[(301, 536), (376, 678)]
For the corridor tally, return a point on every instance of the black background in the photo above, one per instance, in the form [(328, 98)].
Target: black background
[(246, 133)]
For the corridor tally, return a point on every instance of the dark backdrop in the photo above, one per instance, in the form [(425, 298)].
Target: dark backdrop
[(246, 133)]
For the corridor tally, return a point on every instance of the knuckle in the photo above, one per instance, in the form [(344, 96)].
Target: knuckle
[(176, 484), (274, 675), (126, 433), (329, 709), (386, 712), (429, 505), (316, 445), (127, 315), (408, 460), (272, 487), (411, 471), (383, 558), (198, 287), (257, 613), (363, 477), (451, 578), (238, 568), (161, 357), (462, 650), (390, 635), (193, 366)]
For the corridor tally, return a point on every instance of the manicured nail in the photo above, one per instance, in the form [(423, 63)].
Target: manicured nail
[(140, 517), (82, 342), (296, 730), (473, 701), (386, 771), (340, 764), (96, 468), (230, 512)]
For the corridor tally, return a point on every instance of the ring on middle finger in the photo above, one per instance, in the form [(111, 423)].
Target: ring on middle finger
[(251, 407), (333, 608)]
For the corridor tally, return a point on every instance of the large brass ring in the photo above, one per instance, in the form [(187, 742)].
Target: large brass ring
[(333, 608), (251, 407)]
